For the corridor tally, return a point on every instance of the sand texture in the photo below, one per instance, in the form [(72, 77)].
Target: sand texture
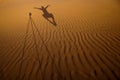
[(84, 44)]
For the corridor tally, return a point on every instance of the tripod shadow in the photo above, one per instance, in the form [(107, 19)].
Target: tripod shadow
[(48, 16), (44, 44), (30, 26)]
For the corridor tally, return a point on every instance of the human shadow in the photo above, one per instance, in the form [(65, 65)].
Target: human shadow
[(48, 16)]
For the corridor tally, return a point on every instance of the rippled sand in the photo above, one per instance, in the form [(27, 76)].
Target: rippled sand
[(85, 44)]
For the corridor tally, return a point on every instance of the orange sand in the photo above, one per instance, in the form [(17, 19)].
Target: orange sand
[(85, 44)]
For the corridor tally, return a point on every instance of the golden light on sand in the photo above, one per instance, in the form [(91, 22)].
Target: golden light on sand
[(59, 40)]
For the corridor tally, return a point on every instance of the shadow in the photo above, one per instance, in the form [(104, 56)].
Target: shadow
[(48, 16), (35, 29), (1, 74), (30, 26)]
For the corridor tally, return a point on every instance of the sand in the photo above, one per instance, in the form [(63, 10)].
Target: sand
[(84, 45)]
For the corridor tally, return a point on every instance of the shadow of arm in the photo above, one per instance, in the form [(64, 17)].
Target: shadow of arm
[(47, 6), (37, 8)]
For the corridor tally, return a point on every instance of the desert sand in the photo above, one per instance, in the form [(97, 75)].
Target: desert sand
[(83, 45)]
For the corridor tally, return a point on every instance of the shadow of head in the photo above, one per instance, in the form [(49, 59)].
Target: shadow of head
[(48, 16)]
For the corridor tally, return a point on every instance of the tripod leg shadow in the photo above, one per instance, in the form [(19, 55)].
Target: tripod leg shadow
[(23, 51), (48, 52)]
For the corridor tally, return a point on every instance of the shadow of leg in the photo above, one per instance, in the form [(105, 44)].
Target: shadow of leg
[(53, 19), (50, 16)]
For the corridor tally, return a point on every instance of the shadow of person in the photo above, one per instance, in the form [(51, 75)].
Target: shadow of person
[(48, 16)]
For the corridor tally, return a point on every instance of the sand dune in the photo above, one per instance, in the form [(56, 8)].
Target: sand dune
[(85, 44)]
